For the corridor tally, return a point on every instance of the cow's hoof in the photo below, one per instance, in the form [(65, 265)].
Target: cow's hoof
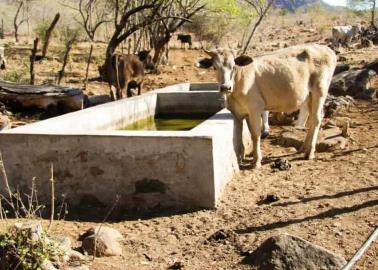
[(309, 156), (256, 165), (264, 134)]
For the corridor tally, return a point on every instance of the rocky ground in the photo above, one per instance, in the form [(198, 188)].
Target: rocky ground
[(331, 201)]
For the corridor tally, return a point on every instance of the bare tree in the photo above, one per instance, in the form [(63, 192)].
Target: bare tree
[(93, 13), (364, 4), (177, 13), (21, 16), (261, 7), (70, 37)]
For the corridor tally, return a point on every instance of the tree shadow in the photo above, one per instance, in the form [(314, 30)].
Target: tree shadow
[(351, 151), (327, 214), (334, 196)]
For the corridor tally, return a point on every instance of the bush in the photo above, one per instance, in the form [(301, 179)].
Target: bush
[(18, 251), (16, 76)]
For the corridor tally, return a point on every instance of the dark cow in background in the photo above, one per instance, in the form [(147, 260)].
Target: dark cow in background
[(146, 58), (125, 72), (185, 39)]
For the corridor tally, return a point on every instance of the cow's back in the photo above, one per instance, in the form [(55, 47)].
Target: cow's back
[(284, 77)]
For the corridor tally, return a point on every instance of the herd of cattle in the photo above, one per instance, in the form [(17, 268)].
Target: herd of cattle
[(344, 35), (287, 80)]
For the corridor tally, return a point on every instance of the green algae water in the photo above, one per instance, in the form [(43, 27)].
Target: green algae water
[(168, 122)]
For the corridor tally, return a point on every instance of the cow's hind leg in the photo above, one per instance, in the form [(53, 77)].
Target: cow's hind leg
[(254, 124), (265, 129), (318, 96)]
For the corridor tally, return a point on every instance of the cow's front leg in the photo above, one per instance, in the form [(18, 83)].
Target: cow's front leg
[(238, 139), (113, 93), (254, 120), (140, 86)]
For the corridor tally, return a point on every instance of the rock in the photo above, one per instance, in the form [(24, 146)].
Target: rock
[(341, 68), (333, 105), (81, 267), (270, 198), (276, 118), (33, 230), (103, 240), (329, 139), (47, 265), (351, 82), (365, 43), (373, 65), (4, 122), (90, 101), (176, 266), (367, 94), (281, 164), (290, 252)]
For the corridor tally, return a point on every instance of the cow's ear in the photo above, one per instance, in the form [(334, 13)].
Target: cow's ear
[(243, 60), (204, 63)]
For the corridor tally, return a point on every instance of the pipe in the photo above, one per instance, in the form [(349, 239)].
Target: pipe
[(362, 250)]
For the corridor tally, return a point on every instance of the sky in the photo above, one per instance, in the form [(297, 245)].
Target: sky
[(335, 2)]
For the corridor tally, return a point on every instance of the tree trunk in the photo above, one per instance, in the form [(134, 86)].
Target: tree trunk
[(15, 24), (48, 34), (88, 64), (65, 59), (32, 61), (373, 14), (2, 29)]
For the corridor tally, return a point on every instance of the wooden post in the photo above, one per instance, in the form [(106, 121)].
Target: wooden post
[(88, 63), (2, 29), (32, 61), (65, 59)]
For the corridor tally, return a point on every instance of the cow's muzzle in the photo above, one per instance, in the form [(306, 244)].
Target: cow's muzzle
[(225, 88)]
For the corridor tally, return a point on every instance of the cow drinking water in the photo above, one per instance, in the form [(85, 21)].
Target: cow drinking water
[(283, 81)]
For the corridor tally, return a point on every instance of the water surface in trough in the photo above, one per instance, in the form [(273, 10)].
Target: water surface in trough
[(168, 122)]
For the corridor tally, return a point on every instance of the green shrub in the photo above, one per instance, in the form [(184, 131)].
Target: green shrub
[(18, 251)]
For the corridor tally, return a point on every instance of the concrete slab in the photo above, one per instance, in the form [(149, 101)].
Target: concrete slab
[(93, 161)]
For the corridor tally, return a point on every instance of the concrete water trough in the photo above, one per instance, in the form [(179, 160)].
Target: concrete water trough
[(95, 161)]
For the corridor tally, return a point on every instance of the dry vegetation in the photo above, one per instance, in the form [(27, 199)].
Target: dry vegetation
[(331, 201)]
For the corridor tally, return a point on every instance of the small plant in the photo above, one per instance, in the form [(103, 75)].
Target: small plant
[(19, 251), (16, 76)]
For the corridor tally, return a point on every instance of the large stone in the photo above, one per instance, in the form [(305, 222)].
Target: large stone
[(351, 82), (329, 140), (290, 252), (102, 241), (33, 230), (333, 105)]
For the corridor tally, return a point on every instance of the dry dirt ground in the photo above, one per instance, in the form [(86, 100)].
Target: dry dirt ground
[(331, 201)]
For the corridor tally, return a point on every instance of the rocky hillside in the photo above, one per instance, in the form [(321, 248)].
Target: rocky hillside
[(293, 4)]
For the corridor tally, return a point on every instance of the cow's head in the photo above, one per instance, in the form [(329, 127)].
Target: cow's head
[(146, 58), (224, 61)]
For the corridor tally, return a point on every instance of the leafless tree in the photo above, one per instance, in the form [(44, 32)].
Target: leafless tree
[(93, 13), (261, 7), (175, 15), (21, 16), (70, 37)]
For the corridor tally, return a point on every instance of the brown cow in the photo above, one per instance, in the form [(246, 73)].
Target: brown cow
[(125, 71)]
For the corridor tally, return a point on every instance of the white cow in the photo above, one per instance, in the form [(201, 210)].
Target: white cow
[(283, 81), (345, 34)]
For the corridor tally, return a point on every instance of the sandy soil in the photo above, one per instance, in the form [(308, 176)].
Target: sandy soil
[(331, 201)]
